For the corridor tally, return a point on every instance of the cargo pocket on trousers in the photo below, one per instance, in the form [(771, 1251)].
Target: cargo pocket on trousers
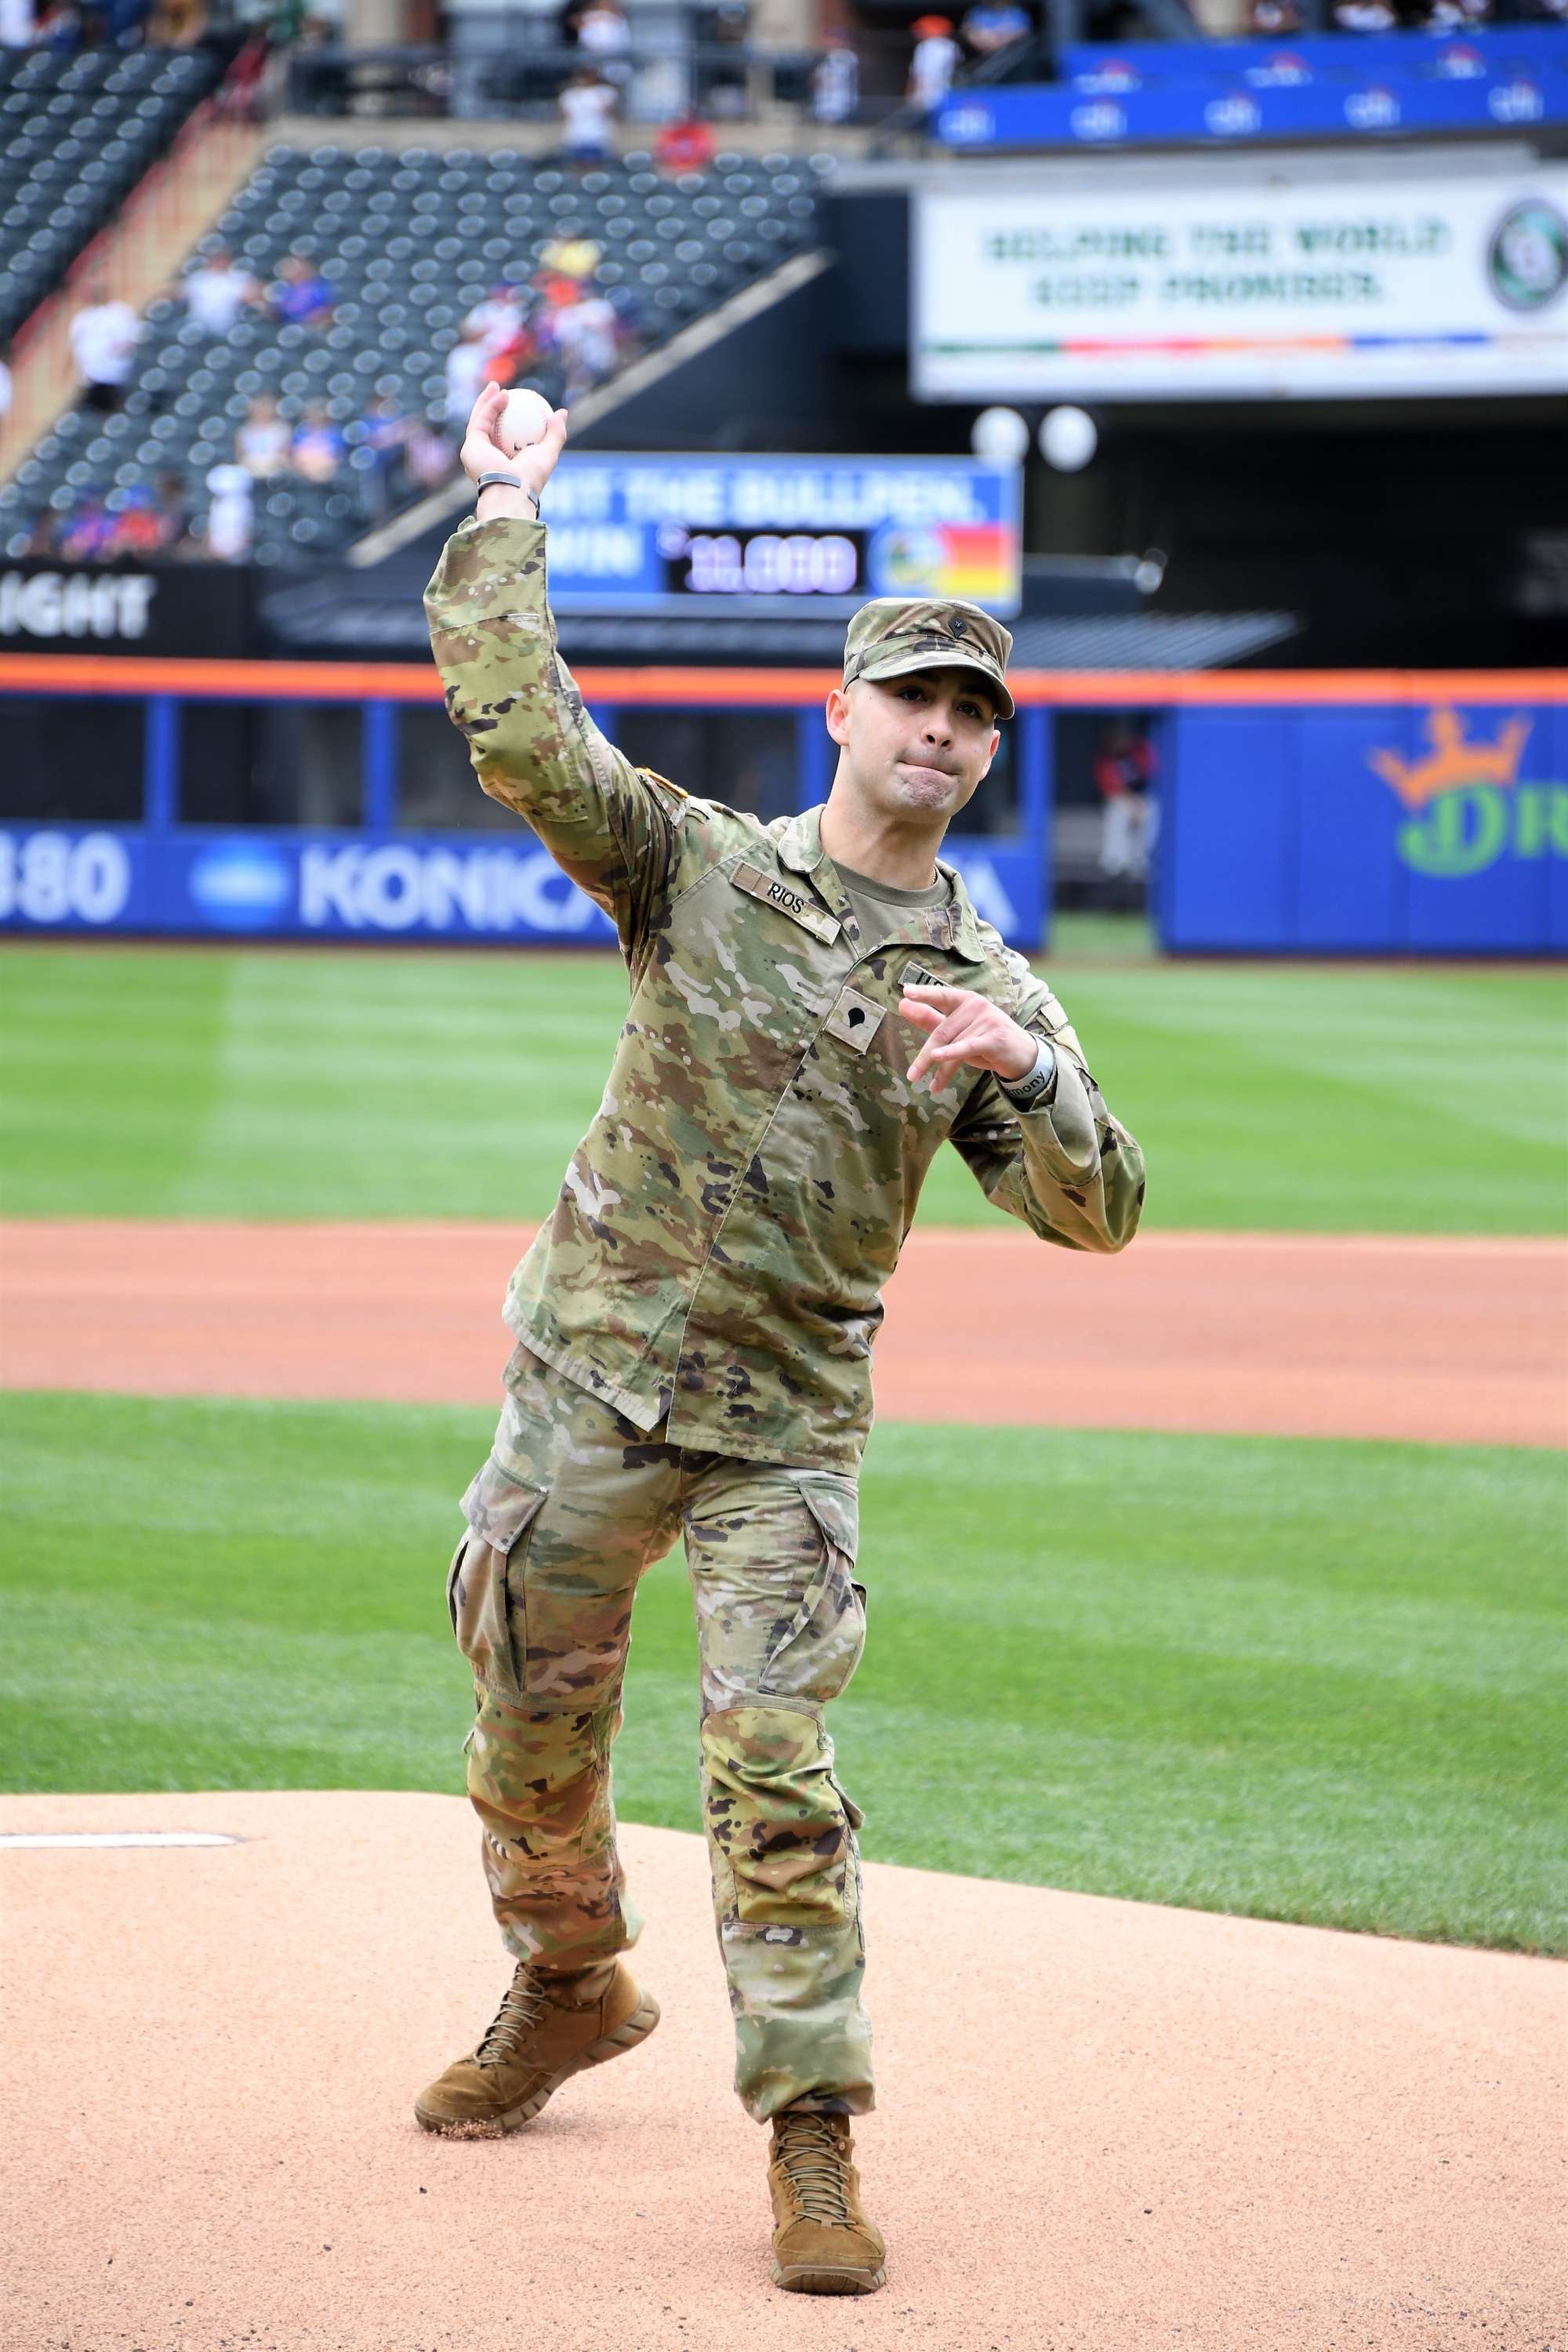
[(821, 1647), (484, 1595)]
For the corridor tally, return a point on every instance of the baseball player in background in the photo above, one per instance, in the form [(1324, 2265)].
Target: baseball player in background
[(815, 1010)]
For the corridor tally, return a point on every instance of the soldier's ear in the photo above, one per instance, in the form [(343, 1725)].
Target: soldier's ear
[(837, 714)]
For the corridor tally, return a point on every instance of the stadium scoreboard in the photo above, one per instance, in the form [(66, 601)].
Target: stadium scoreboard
[(772, 535)]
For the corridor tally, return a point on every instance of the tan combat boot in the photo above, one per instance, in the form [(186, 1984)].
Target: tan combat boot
[(822, 2244), (547, 2027)]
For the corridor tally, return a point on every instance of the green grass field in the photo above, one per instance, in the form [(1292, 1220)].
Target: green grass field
[(1301, 1680), (1305, 1680), (199, 1082)]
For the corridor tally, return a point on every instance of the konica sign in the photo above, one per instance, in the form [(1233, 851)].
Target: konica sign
[(1432, 830), (364, 887), (295, 884)]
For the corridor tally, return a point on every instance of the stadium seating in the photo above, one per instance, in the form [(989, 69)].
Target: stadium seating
[(410, 240), (76, 135)]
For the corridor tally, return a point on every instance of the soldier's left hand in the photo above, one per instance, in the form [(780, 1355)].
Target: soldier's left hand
[(965, 1031)]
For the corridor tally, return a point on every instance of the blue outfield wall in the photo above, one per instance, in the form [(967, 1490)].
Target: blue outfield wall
[(1365, 830), (1302, 814)]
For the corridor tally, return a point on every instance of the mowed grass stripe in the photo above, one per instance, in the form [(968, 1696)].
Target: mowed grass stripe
[(1298, 1679), (216, 1082)]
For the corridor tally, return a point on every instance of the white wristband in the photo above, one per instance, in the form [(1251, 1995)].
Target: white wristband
[(1035, 1085)]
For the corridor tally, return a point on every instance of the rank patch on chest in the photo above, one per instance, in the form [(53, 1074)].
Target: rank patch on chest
[(855, 1019), (775, 892), (919, 975)]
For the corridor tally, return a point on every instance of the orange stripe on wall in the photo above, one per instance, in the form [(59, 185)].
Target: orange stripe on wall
[(306, 681)]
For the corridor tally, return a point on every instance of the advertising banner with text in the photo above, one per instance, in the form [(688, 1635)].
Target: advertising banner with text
[(1247, 286), (249, 883)]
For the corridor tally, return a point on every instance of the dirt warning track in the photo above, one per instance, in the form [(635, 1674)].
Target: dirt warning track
[(1104, 2126), (1448, 1341)]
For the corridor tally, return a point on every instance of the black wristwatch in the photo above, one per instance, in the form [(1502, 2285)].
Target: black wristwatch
[(506, 482)]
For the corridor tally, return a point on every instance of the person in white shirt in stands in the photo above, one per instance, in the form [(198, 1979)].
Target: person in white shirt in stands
[(231, 519), (468, 371), (934, 62), (219, 291), (836, 79), (586, 336), (587, 107), (103, 340)]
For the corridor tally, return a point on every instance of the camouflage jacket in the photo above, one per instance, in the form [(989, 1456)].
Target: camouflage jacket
[(726, 1226)]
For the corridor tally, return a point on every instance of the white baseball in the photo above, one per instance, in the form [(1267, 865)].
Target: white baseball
[(524, 420)]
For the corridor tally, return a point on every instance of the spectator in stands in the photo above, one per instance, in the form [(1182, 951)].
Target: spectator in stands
[(216, 293), (835, 80), (378, 461), (103, 340), (87, 533), (1273, 18), (587, 107), (586, 338), (1125, 767), (303, 297), (503, 334), (468, 371), (18, 25), (231, 519), (603, 30), (1365, 16), (428, 455), (318, 449), (685, 146), (177, 23), (60, 29), (262, 443), (935, 61), (155, 518), (174, 516), (995, 25)]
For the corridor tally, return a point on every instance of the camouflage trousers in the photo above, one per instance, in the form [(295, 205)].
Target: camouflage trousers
[(574, 1504)]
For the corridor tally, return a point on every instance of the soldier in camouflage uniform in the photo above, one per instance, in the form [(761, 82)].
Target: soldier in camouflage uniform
[(694, 1325)]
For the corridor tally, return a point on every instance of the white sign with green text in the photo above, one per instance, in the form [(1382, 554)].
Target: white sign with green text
[(1285, 284)]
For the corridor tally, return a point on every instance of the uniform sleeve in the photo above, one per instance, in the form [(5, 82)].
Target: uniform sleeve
[(533, 746), (1068, 1170)]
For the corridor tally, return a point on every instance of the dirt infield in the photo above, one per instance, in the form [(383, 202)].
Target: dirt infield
[(1297, 1335), (1144, 2128)]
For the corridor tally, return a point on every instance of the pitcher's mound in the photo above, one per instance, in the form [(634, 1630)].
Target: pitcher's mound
[(1103, 2125)]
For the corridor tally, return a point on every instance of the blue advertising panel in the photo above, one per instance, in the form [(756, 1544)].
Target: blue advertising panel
[(1437, 830), (1225, 92), (770, 535), (254, 885), (290, 884)]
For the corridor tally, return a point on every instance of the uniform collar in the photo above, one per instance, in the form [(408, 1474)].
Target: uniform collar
[(799, 846)]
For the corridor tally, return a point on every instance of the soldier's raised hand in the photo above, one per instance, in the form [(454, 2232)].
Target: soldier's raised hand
[(482, 454)]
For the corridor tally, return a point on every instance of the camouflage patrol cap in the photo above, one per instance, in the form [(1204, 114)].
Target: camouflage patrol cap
[(892, 636)]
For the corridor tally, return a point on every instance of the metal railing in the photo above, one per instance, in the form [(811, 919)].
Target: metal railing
[(710, 81)]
